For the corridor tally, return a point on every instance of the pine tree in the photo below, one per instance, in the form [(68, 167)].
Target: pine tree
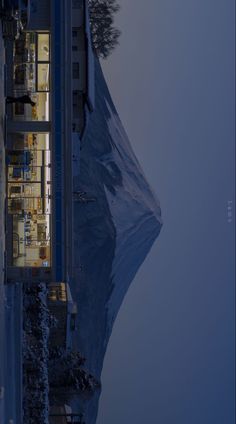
[(67, 376)]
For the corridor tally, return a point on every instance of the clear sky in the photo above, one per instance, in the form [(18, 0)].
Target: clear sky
[(171, 355)]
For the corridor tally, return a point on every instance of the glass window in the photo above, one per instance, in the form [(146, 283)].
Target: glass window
[(43, 77), (20, 74), (29, 200), (24, 77), (23, 189), (28, 141), (43, 48), (37, 112), (24, 48), (31, 240), (40, 112), (75, 70), (31, 76), (19, 173)]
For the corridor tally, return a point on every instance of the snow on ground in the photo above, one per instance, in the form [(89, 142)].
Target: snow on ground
[(35, 355), (2, 194), (10, 301), (12, 353)]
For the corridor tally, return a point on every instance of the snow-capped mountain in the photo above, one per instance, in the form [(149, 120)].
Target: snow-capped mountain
[(116, 221)]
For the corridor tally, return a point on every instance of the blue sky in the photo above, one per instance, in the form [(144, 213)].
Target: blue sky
[(171, 355)]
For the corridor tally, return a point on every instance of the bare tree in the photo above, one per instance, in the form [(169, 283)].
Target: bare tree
[(104, 35)]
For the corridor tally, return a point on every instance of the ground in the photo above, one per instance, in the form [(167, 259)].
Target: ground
[(2, 194), (10, 300)]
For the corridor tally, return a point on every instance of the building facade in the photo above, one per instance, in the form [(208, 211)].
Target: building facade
[(51, 63), (64, 310)]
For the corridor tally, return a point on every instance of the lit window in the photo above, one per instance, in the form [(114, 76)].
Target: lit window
[(43, 47), (43, 76), (29, 200)]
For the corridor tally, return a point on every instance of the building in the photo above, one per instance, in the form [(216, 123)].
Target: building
[(64, 310), (52, 62), (64, 415)]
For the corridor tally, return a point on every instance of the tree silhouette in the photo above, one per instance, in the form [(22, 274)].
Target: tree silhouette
[(68, 377), (104, 35)]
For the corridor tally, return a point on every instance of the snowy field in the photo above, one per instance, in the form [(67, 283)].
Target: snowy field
[(2, 193)]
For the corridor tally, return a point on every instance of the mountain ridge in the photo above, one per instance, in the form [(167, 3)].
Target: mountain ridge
[(113, 232)]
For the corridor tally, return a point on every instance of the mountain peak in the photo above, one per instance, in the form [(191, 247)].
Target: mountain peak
[(114, 230)]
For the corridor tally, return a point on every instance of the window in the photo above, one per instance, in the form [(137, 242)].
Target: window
[(74, 33), (77, 104), (43, 76), (32, 75), (74, 48), (43, 59), (29, 200), (43, 48), (75, 71), (76, 4), (75, 97)]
